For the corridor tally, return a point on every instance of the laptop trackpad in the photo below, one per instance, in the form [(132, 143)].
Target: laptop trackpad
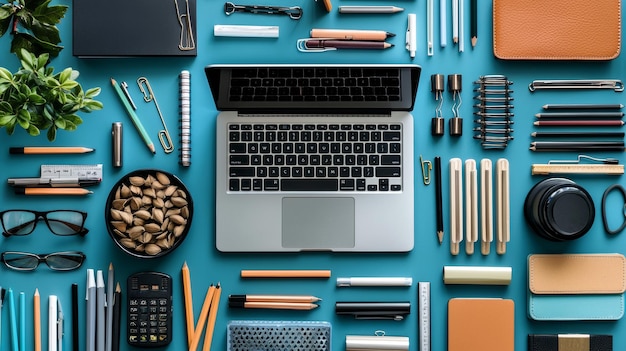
[(318, 223)]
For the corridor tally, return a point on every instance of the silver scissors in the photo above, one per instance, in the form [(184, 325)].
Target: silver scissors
[(294, 12)]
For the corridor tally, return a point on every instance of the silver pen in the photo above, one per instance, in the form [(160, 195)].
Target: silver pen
[(370, 9)]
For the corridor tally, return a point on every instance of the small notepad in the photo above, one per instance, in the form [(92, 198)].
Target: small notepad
[(481, 324)]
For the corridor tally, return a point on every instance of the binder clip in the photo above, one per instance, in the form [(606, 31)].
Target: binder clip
[(378, 341), (494, 111), (437, 86), (455, 87)]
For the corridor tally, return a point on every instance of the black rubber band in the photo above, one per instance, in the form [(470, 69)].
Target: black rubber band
[(605, 222)]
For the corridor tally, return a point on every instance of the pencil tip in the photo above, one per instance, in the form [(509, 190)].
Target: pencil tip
[(111, 266), (474, 40), (440, 236), (533, 134)]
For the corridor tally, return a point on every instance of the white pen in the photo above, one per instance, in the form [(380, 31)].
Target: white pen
[(443, 29), (461, 26), (486, 209), (100, 312), (456, 205), (53, 330), (370, 9), (455, 21), (430, 27), (503, 210), (471, 205), (411, 35), (60, 318), (374, 281), (90, 298), (221, 30)]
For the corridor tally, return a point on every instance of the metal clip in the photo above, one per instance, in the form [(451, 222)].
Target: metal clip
[(294, 12), (187, 41), (148, 95), (427, 166), (614, 84)]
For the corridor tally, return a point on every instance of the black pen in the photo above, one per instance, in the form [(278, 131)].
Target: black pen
[(75, 335), (582, 106), (438, 199), (374, 310), (53, 182), (117, 314)]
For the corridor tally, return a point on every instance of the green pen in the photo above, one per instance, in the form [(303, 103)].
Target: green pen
[(133, 116)]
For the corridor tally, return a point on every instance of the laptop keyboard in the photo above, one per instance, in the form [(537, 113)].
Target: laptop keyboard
[(314, 84), (315, 157)]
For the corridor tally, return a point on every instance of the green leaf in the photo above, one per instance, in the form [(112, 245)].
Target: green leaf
[(27, 59), (5, 108), (32, 130), (73, 119), (23, 118), (64, 75), (50, 15), (92, 105), (34, 45), (93, 92), (36, 99), (60, 123), (7, 120), (52, 133), (5, 75)]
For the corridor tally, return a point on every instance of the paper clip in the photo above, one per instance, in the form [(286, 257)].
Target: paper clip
[(614, 84), (148, 95), (427, 166), (294, 12), (187, 41)]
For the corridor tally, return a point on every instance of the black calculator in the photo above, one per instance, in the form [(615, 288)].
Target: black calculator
[(149, 313)]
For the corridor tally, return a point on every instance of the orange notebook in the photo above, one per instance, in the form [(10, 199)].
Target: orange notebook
[(556, 29), (481, 324)]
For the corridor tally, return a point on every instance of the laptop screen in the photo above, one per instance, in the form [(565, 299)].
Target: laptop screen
[(325, 88)]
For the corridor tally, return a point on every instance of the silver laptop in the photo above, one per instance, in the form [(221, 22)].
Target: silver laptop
[(314, 157)]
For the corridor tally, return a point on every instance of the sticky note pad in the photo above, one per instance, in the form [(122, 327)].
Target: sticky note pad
[(481, 324)]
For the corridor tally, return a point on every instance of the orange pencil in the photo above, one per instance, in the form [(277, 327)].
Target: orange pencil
[(37, 320), (188, 303), (215, 302), (208, 299), (351, 34), (52, 191), (45, 150), (285, 273)]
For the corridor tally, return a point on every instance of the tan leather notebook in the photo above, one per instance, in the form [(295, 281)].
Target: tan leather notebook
[(481, 324), (556, 29), (577, 273)]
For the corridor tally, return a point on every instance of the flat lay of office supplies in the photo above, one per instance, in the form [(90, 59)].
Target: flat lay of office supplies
[(311, 228)]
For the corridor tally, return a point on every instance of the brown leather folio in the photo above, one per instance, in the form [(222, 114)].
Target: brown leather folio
[(481, 324), (556, 29)]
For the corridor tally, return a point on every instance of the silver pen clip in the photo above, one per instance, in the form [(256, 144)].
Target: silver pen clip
[(613, 84)]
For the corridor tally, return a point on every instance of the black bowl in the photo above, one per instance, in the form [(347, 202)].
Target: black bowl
[(148, 213)]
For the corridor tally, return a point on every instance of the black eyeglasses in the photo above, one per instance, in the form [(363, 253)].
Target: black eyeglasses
[(58, 261), (60, 222)]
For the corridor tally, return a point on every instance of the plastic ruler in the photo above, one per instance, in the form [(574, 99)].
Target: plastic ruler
[(553, 168), (71, 171), (423, 291)]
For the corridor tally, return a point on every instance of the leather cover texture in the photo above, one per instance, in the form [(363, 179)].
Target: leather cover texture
[(480, 324), (577, 273), (559, 342), (556, 29), (589, 307)]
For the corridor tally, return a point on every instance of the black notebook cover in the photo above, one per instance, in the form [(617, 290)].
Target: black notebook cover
[(109, 28)]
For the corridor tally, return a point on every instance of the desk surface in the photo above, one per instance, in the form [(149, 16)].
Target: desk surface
[(207, 266)]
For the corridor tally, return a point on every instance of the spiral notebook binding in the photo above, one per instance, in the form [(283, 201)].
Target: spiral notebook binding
[(494, 111), (185, 118)]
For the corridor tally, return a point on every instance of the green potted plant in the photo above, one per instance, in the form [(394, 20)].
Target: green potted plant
[(36, 98)]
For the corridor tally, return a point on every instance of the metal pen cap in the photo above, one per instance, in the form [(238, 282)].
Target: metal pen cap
[(116, 142)]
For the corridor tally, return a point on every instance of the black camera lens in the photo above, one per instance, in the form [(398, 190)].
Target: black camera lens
[(558, 209)]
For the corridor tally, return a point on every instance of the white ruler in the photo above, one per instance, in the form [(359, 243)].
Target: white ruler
[(71, 171), (423, 291)]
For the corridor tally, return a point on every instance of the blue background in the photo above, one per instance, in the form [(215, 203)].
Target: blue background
[(208, 266)]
